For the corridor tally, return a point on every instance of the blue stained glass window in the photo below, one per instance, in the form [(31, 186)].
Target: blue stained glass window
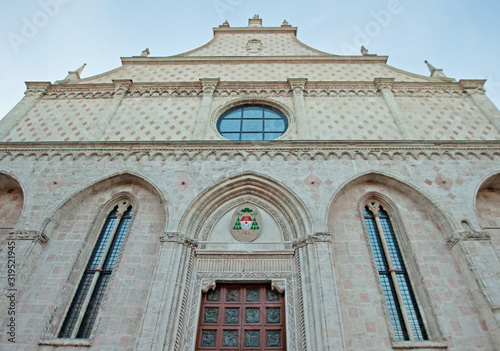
[(252, 123)]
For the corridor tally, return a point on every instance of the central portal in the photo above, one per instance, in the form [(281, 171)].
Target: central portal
[(242, 317)]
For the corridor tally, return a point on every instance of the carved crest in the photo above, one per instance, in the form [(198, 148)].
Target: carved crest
[(246, 223), (254, 46)]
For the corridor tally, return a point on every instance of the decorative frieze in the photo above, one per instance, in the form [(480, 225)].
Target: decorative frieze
[(248, 151), (179, 238), (468, 235), (33, 235)]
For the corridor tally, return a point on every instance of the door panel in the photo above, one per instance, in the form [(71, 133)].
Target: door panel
[(247, 317)]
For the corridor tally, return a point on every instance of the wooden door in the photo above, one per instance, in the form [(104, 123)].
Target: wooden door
[(247, 317)]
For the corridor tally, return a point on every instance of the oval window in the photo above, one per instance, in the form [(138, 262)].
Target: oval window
[(252, 122)]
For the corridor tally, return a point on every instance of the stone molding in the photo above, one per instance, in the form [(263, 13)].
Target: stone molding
[(33, 235), (234, 89), (243, 151), (468, 235), (175, 237), (313, 238)]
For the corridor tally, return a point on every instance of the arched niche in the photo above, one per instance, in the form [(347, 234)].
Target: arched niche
[(11, 204), (488, 208), (286, 216)]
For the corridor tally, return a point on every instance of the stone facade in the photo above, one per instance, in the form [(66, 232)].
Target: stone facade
[(145, 134)]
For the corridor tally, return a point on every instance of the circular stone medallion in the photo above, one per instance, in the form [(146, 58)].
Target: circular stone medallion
[(246, 223), (254, 46)]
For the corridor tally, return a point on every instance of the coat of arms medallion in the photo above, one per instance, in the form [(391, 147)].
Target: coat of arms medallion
[(246, 223)]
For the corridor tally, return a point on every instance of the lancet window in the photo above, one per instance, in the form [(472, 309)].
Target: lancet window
[(403, 309), (87, 300)]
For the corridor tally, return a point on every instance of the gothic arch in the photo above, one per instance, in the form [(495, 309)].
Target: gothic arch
[(12, 201), (250, 187), (55, 212), (487, 202), (439, 215)]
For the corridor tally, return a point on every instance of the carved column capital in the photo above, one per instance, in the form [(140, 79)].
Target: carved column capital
[(122, 86), (208, 284), (37, 88), (209, 85), (33, 235), (468, 235), (383, 83), (278, 285), (175, 237), (473, 86), (298, 85)]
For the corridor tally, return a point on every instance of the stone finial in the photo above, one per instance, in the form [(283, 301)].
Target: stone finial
[(74, 75), (145, 53), (225, 24), (256, 21), (437, 72), (364, 51), (285, 24)]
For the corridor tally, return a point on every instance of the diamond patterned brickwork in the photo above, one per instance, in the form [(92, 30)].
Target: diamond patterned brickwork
[(255, 72), (366, 118), (488, 211), (11, 206), (154, 119), (59, 120), (275, 44), (446, 119)]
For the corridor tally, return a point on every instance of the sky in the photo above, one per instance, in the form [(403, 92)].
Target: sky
[(41, 40)]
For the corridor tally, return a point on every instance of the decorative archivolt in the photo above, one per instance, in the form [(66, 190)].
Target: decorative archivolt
[(288, 211), (262, 151)]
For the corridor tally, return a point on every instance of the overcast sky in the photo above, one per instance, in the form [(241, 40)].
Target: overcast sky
[(41, 40)]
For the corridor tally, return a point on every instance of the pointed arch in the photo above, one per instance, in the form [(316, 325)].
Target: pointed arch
[(487, 204), (55, 212), (252, 187), (12, 204), (440, 215)]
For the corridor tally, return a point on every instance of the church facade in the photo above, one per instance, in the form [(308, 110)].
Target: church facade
[(251, 194)]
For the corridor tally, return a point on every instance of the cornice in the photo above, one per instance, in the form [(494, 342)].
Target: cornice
[(228, 150), (245, 88), (249, 59)]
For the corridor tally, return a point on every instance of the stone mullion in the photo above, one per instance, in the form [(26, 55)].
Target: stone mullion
[(479, 256), (96, 276), (394, 277), (121, 89), (384, 85), (35, 92), (298, 85)]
